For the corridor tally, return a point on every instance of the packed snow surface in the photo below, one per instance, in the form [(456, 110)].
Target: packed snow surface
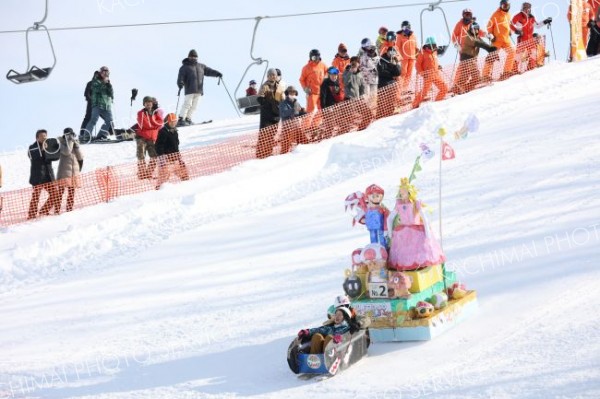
[(196, 290)]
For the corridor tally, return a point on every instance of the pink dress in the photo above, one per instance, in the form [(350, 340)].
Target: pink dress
[(413, 245)]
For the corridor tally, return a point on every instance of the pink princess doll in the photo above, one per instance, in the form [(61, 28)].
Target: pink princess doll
[(413, 245)]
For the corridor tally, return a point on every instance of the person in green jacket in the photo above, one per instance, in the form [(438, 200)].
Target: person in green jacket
[(102, 98)]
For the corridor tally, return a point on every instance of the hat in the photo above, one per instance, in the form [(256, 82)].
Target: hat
[(68, 130), (290, 89), (430, 41), (253, 82), (148, 99), (345, 311), (366, 42), (383, 29), (333, 71), (342, 46), (193, 53), (374, 189), (272, 72), (405, 24), (171, 117)]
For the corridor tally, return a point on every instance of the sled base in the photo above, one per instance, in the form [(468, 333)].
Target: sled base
[(427, 329)]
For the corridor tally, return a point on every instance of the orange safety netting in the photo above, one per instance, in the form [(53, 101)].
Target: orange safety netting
[(104, 184)]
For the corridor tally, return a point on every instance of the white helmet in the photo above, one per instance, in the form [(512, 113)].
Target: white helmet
[(341, 300)]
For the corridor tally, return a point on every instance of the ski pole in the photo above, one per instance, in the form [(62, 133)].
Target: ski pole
[(237, 111), (178, 97), (134, 93), (552, 37)]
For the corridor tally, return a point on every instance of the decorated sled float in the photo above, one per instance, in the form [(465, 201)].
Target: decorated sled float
[(400, 282)]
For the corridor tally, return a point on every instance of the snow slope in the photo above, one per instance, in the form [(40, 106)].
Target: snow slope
[(195, 291)]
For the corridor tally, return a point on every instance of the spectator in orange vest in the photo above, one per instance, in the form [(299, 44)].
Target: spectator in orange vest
[(407, 46), (499, 30), (341, 61), (429, 69), (313, 74)]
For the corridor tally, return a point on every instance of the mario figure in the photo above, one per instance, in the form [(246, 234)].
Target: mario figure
[(376, 215)]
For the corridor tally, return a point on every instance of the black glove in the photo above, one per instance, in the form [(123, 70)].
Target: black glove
[(442, 49), (590, 23), (548, 21), (154, 106), (518, 32), (493, 48), (180, 85), (219, 75), (134, 93), (80, 164)]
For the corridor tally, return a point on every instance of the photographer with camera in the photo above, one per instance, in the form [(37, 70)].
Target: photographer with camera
[(69, 167), (149, 120)]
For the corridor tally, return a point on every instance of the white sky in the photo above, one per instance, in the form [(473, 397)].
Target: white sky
[(148, 58)]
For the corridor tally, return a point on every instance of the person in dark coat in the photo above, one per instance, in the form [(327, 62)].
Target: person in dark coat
[(331, 92), (388, 69), (167, 149), (41, 177), (291, 130), (269, 97), (87, 93), (191, 77)]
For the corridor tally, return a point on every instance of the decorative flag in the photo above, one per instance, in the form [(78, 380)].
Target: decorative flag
[(426, 152), (447, 151), (416, 168)]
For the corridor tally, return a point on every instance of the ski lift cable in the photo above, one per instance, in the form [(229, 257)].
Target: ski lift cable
[(235, 19)]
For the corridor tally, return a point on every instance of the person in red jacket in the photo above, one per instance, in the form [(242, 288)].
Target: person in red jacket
[(524, 23), (149, 121)]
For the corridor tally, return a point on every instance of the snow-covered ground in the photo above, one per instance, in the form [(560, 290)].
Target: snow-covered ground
[(195, 291)]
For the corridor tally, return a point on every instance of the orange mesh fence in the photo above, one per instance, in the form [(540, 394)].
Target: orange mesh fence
[(105, 184)]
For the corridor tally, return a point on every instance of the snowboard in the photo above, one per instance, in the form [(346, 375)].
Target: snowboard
[(198, 123), (336, 357)]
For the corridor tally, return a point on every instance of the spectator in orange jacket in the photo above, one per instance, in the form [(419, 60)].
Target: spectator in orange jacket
[(429, 68), (313, 74), (499, 29), (587, 20), (341, 61), (390, 41), (149, 121), (407, 46)]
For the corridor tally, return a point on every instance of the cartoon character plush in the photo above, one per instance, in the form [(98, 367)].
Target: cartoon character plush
[(439, 300), (374, 256), (398, 285), (424, 309), (371, 212), (457, 291)]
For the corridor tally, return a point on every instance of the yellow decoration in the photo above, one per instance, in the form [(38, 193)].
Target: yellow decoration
[(442, 131), (347, 273), (424, 278)]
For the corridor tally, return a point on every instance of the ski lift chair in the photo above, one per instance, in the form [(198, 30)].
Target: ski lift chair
[(33, 73), (432, 7), (251, 101)]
